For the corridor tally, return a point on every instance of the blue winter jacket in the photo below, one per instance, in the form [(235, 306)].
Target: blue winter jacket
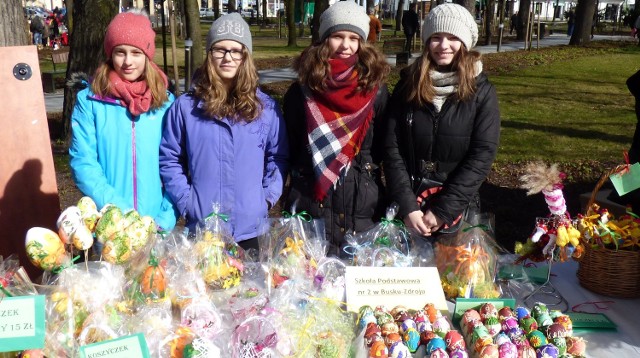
[(114, 156), (239, 165)]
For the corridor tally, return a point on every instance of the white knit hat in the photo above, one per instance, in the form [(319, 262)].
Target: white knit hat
[(344, 16), (230, 27), (452, 19)]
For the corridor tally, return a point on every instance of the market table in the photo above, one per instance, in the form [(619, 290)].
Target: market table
[(625, 313)]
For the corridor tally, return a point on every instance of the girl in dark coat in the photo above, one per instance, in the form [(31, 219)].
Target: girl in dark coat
[(443, 126), (332, 114)]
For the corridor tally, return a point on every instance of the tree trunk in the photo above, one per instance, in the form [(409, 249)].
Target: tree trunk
[(399, 13), (231, 6), (69, 5), (87, 46), (584, 19), (523, 15), (192, 19), (264, 12), (289, 8), (489, 15), (216, 9), (320, 7), (14, 29)]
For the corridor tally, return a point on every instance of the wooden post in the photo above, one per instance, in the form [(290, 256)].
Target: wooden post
[(174, 57)]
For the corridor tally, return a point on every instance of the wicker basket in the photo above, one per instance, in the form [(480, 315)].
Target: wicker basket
[(609, 272)]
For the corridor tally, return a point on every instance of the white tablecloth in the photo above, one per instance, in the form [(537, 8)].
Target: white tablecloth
[(623, 343)]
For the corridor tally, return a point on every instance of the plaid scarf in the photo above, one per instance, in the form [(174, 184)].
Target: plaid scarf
[(337, 122)]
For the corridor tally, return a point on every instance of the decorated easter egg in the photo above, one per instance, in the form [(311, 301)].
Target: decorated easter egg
[(522, 312), (111, 222), (526, 352), (406, 324), (371, 331), (561, 343), (513, 333), (392, 338), (508, 323), (489, 351), (505, 312), (117, 250), (481, 342), (402, 316), (479, 332), (459, 353), (89, 212), (32, 353), (576, 346), (68, 222), (555, 314), (501, 338), (426, 337), (493, 325), (378, 350), (435, 343), (565, 321), (432, 312), (521, 341), (488, 310), (536, 338), (441, 326), (399, 350), (424, 326), (384, 317), (454, 340), (388, 328), (547, 351), (528, 324), (544, 320), (538, 309), (508, 350), (439, 353), (44, 248), (411, 339), (397, 310), (366, 316), (82, 238), (556, 330)]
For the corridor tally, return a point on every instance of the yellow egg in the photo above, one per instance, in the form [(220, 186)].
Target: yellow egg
[(82, 238), (44, 248)]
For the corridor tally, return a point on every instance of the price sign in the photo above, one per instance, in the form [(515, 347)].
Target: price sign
[(124, 347), (412, 287), (21, 323)]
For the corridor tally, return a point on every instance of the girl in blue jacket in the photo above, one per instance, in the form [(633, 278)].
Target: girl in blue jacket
[(117, 124), (225, 141)]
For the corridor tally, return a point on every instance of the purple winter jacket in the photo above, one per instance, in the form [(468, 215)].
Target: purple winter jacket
[(239, 165)]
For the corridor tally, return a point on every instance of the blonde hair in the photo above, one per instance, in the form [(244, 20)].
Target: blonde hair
[(240, 102), (101, 85), (314, 71), (418, 88)]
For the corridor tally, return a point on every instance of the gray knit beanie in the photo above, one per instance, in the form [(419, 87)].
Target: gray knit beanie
[(452, 19), (230, 27), (344, 16)]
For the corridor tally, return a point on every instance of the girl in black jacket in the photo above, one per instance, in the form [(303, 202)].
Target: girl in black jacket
[(333, 115), (443, 127)]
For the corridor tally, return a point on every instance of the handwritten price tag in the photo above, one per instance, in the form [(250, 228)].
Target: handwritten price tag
[(21, 323), (124, 347)]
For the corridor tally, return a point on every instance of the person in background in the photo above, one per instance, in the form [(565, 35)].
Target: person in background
[(375, 26), (513, 25), (225, 142), (334, 114), (571, 22), (37, 29), (117, 124), (443, 126), (410, 25)]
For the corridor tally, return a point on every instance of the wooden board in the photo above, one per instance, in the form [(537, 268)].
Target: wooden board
[(28, 189)]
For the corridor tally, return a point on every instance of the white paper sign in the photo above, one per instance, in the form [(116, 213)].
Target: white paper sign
[(412, 287)]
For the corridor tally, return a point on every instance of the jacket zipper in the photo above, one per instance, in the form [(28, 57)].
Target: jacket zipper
[(135, 169)]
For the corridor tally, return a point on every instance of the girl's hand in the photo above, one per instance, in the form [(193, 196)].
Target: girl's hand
[(416, 222), (431, 221)]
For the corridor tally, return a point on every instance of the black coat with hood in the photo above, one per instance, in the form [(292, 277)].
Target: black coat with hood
[(455, 146), (358, 198)]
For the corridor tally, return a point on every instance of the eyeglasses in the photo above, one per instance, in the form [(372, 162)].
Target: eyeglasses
[(219, 53)]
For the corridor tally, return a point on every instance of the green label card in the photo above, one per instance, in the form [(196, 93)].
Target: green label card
[(463, 304), (124, 347), (21, 323), (591, 321), (627, 181)]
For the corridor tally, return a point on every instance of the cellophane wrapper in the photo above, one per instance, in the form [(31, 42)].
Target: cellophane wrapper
[(467, 260), (290, 248), (14, 280), (220, 259), (85, 304), (386, 244)]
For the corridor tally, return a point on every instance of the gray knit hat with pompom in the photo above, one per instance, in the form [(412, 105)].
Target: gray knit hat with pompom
[(452, 19)]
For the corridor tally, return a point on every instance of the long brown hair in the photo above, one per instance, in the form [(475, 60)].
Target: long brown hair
[(102, 86), (240, 102), (313, 67), (418, 88)]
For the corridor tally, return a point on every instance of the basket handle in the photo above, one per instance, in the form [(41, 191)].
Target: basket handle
[(599, 185)]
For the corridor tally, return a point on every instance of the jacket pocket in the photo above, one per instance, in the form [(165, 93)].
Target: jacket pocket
[(367, 195)]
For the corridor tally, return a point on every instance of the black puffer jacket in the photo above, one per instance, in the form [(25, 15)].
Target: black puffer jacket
[(462, 150), (358, 199)]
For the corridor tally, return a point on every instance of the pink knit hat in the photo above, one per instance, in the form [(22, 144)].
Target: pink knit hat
[(133, 29)]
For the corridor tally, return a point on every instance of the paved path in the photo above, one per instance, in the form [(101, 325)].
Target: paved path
[(53, 101)]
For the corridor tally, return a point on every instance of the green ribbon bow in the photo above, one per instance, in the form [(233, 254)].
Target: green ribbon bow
[(59, 269), (396, 222), (303, 215), (223, 217), (482, 227)]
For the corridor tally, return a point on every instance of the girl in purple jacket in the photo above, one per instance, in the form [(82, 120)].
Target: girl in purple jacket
[(225, 141)]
